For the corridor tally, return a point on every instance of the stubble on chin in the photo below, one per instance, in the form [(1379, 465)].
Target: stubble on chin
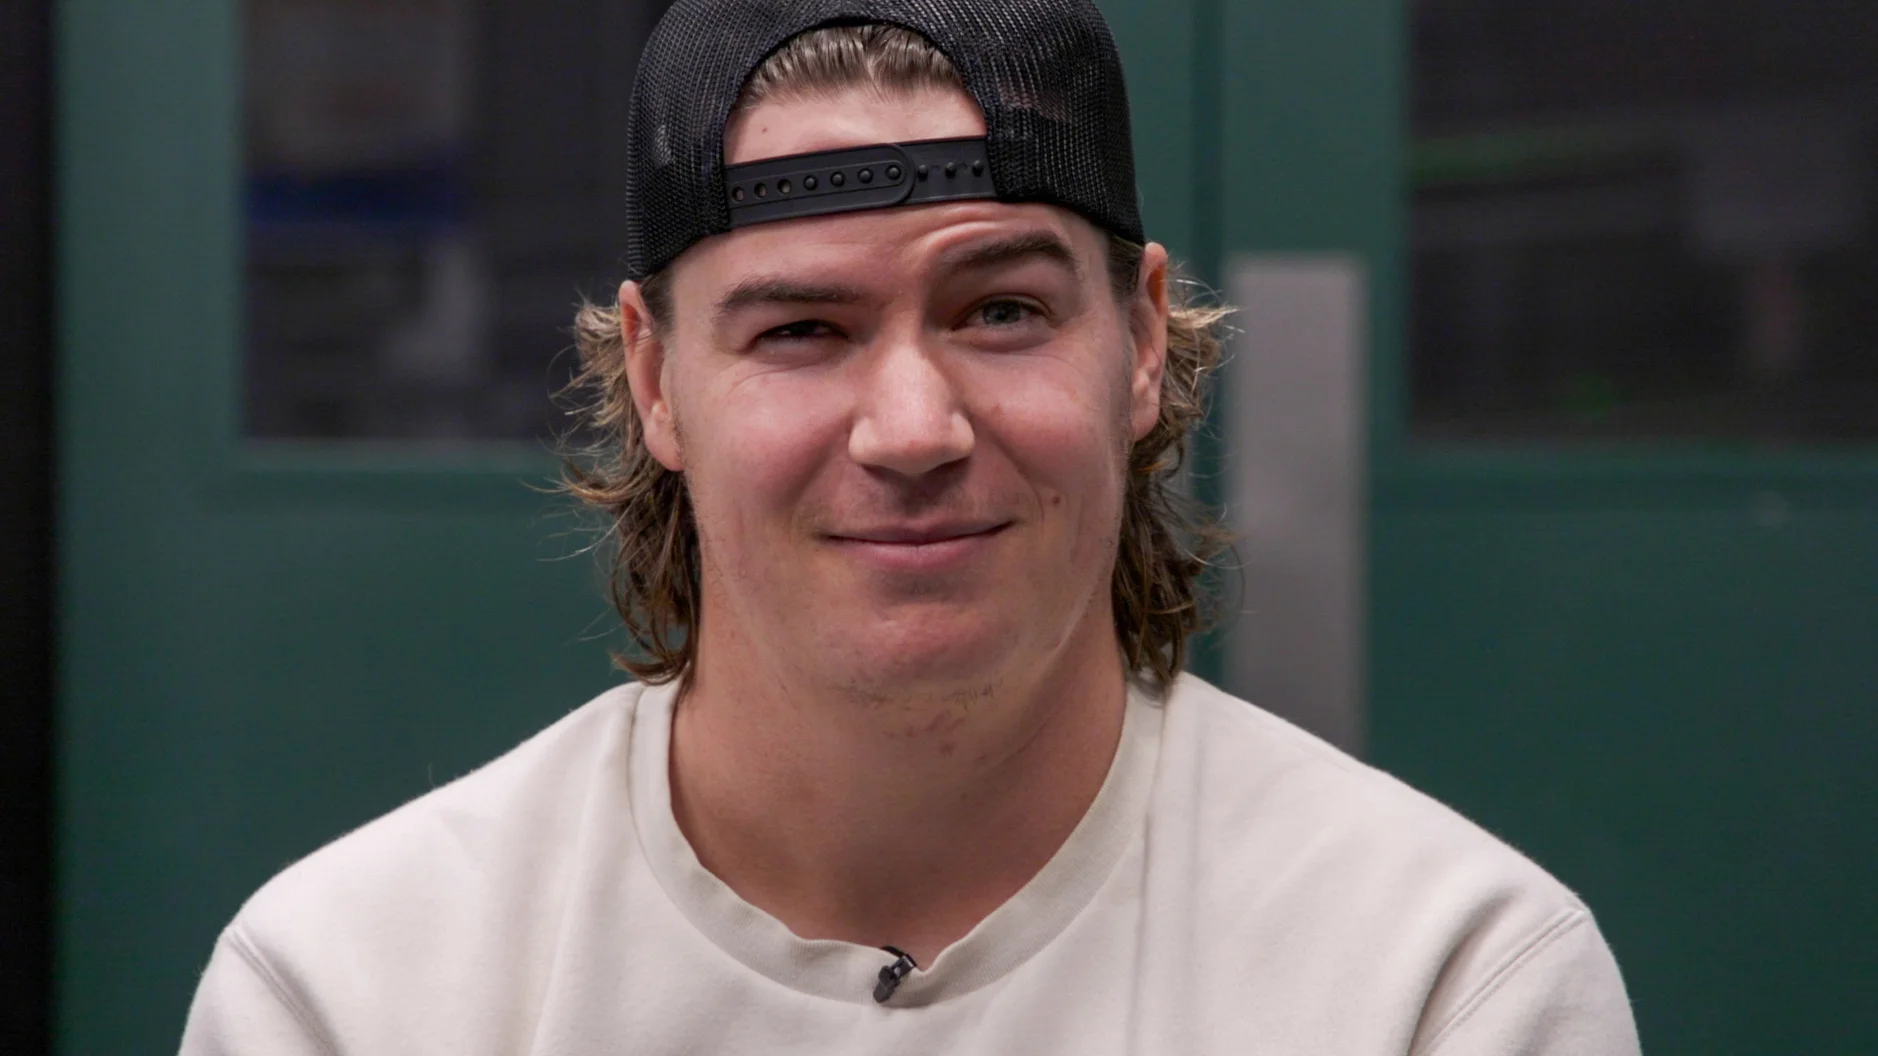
[(933, 716)]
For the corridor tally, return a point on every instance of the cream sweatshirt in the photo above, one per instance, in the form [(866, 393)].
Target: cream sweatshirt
[(1236, 887)]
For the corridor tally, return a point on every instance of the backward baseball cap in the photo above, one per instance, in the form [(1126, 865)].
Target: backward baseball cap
[(1044, 72)]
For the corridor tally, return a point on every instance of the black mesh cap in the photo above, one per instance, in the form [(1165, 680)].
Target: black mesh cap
[(1045, 73)]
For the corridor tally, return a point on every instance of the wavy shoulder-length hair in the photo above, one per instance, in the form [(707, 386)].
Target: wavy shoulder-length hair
[(1166, 541)]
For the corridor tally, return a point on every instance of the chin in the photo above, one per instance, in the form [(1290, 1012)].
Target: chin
[(930, 654)]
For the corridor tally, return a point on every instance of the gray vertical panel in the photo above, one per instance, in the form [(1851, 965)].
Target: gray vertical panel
[(1294, 474)]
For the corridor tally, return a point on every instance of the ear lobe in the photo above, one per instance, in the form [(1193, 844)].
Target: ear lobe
[(644, 363), (1147, 323)]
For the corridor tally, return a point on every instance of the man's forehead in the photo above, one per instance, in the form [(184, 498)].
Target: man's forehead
[(891, 246)]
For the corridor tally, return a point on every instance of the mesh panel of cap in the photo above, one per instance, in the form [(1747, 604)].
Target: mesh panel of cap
[(1045, 73)]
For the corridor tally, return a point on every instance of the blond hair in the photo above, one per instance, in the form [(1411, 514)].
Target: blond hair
[(1165, 544)]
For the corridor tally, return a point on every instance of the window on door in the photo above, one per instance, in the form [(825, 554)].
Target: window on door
[(430, 186), (1645, 221)]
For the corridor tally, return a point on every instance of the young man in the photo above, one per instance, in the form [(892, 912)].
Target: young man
[(895, 393)]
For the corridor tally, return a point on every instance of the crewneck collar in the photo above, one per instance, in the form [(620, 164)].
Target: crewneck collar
[(845, 971)]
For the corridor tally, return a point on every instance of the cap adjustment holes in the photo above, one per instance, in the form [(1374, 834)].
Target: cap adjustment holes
[(871, 177)]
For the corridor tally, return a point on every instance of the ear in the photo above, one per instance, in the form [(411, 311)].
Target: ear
[(1147, 325), (647, 376)]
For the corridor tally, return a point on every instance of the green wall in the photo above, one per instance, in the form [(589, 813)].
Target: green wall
[(1651, 670), (1673, 708)]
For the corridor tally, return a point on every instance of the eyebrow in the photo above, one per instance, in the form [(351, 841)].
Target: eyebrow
[(763, 290), (1001, 252)]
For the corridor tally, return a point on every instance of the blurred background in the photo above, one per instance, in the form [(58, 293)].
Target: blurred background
[(1551, 434)]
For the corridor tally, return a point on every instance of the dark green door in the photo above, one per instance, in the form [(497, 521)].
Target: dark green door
[(1621, 530), (269, 635), (305, 573)]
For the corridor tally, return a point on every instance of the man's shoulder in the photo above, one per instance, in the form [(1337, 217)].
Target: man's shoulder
[(510, 824), (1405, 887), (1269, 781), (1321, 870)]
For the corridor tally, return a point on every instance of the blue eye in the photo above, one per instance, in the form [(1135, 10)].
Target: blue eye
[(1005, 313)]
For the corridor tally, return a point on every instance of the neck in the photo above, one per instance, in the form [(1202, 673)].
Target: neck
[(900, 820)]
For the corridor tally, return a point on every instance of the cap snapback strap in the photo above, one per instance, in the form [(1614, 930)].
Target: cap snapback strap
[(873, 177)]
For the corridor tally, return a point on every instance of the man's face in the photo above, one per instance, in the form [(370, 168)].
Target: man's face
[(904, 431)]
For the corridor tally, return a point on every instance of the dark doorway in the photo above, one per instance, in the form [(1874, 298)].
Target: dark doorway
[(25, 527)]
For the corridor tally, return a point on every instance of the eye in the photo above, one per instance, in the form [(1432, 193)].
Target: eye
[(801, 330), (1002, 313)]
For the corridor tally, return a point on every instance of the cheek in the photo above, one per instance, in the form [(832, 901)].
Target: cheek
[(753, 446), (1066, 430)]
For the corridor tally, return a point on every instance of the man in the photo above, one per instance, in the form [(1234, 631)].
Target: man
[(895, 392)]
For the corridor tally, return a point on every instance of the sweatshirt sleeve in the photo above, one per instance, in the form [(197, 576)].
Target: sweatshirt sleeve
[(242, 1009), (1559, 995)]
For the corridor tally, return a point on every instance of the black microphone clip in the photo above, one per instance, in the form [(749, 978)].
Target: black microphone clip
[(891, 975)]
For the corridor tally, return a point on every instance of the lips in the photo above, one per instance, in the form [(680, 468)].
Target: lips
[(920, 550), (920, 534)]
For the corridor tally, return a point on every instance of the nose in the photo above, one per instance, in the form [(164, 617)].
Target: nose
[(909, 420)]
